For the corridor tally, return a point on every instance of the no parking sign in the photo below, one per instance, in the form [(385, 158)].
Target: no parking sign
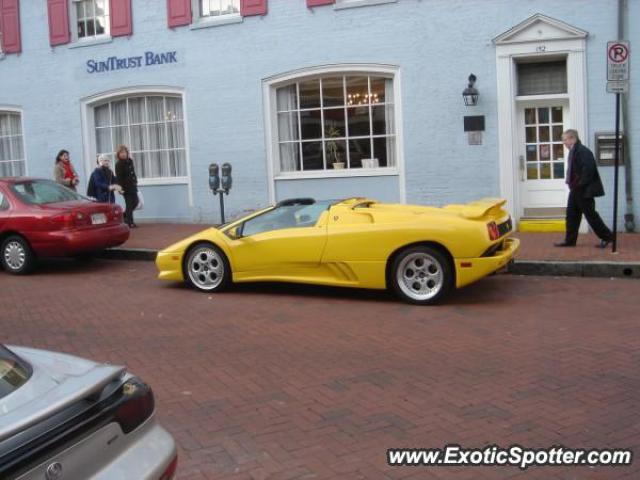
[(618, 54)]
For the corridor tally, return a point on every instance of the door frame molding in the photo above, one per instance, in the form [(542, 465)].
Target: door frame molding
[(537, 37)]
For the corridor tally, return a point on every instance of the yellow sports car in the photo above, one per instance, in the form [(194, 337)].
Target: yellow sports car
[(419, 252)]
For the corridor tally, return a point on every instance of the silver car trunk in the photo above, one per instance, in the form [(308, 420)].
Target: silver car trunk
[(57, 381)]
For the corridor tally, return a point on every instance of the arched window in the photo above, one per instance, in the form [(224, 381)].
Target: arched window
[(151, 126), (12, 158), (335, 121)]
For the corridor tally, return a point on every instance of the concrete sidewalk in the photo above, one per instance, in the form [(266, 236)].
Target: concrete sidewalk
[(537, 255)]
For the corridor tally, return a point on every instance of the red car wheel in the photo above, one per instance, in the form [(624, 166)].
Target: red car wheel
[(17, 256)]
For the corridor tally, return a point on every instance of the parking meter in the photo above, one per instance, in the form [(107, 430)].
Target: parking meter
[(214, 178), (226, 180)]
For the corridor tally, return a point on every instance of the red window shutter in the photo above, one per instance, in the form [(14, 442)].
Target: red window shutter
[(317, 3), (178, 12), (10, 26), (58, 22), (120, 17), (253, 7)]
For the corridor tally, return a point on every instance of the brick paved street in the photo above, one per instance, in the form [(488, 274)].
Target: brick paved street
[(287, 382)]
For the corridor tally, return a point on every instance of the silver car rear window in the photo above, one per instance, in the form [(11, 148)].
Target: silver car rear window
[(14, 372)]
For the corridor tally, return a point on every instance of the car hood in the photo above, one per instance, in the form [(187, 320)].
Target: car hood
[(57, 380)]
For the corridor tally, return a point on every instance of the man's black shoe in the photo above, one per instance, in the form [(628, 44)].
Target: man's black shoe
[(564, 244), (604, 243)]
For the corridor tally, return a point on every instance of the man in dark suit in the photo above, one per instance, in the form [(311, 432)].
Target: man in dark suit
[(584, 185)]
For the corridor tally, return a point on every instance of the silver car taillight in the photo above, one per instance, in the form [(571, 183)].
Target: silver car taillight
[(136, 406)]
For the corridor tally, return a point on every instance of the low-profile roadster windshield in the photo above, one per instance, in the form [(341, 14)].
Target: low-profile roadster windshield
[(296, 215), (13, 372)]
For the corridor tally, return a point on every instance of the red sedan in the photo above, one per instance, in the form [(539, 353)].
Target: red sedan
[(40, 218)]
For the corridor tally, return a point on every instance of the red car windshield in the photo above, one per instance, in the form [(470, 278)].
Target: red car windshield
[(13, 372), (41, 192)]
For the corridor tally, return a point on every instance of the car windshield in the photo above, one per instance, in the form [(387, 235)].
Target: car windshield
[(41, 192), (13, 372), (297, 215)]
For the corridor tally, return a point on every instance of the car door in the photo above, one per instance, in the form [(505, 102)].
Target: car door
[(4, 211), (285, 241)]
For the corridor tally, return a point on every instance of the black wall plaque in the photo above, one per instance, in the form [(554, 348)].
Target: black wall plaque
[(474, 124)]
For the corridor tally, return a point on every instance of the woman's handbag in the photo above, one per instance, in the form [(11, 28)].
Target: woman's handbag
[(140, 205)]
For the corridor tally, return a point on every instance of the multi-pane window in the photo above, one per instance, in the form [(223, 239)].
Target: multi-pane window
[(12, 162), (92, 17), (542, 78), (151, 126), (216, 8), (336, 122), (543, 136)]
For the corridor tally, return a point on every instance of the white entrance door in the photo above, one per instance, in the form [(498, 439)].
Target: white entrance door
[(542, 157)]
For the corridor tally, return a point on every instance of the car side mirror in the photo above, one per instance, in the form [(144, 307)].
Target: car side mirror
[(234, 233)]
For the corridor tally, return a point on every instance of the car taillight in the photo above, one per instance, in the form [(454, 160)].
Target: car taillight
[(116, 213), (137, 405), (170, 471), (68, 220), (494, 233)]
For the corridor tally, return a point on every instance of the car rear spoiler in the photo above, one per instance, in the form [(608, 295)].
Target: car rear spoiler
[(358, 202), (68, 392), (485, 207)]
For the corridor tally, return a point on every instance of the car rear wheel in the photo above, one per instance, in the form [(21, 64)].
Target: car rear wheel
[(421, 275), (17, 256), (206, 268)]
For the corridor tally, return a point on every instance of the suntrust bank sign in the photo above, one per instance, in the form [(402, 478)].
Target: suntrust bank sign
[(111, 64)]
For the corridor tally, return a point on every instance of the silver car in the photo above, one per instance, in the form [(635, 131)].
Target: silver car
[(67, 418)]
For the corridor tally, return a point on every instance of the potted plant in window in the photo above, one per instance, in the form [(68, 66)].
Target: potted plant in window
[(333, 155)]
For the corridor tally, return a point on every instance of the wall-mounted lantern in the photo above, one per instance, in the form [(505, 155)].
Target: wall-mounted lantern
[(471, 94)]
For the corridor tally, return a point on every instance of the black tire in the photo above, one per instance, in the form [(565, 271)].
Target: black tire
[(16, 255), (206, 268), (421, 275)]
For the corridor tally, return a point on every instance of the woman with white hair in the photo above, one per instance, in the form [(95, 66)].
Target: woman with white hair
[(103, 182)]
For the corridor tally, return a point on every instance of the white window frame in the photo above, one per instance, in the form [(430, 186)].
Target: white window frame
[(271, 84), (88, 129), (86, 41), (17, 110), (199, 21), (342, 4)]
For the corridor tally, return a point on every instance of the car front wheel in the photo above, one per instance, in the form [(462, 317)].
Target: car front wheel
[(17, 256), (206, 268), (421, 275)]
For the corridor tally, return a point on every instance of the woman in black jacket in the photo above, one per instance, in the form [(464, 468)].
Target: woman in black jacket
[(126, 174)]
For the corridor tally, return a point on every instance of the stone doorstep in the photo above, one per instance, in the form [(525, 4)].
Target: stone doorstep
[(517, 267)]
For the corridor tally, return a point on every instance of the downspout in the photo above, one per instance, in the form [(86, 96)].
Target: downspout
[(629, 222)]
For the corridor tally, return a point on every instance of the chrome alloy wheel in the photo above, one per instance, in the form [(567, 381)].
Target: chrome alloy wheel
[(15, 255), (205, 268), (420, 276)]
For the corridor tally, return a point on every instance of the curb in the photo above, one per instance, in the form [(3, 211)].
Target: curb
[(576, 269), (145, 254), (518, 267)]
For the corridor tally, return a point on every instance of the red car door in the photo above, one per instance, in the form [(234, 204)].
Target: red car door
[(4, 211)]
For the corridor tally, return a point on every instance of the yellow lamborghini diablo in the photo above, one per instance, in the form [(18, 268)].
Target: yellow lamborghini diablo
[(419, 252)]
